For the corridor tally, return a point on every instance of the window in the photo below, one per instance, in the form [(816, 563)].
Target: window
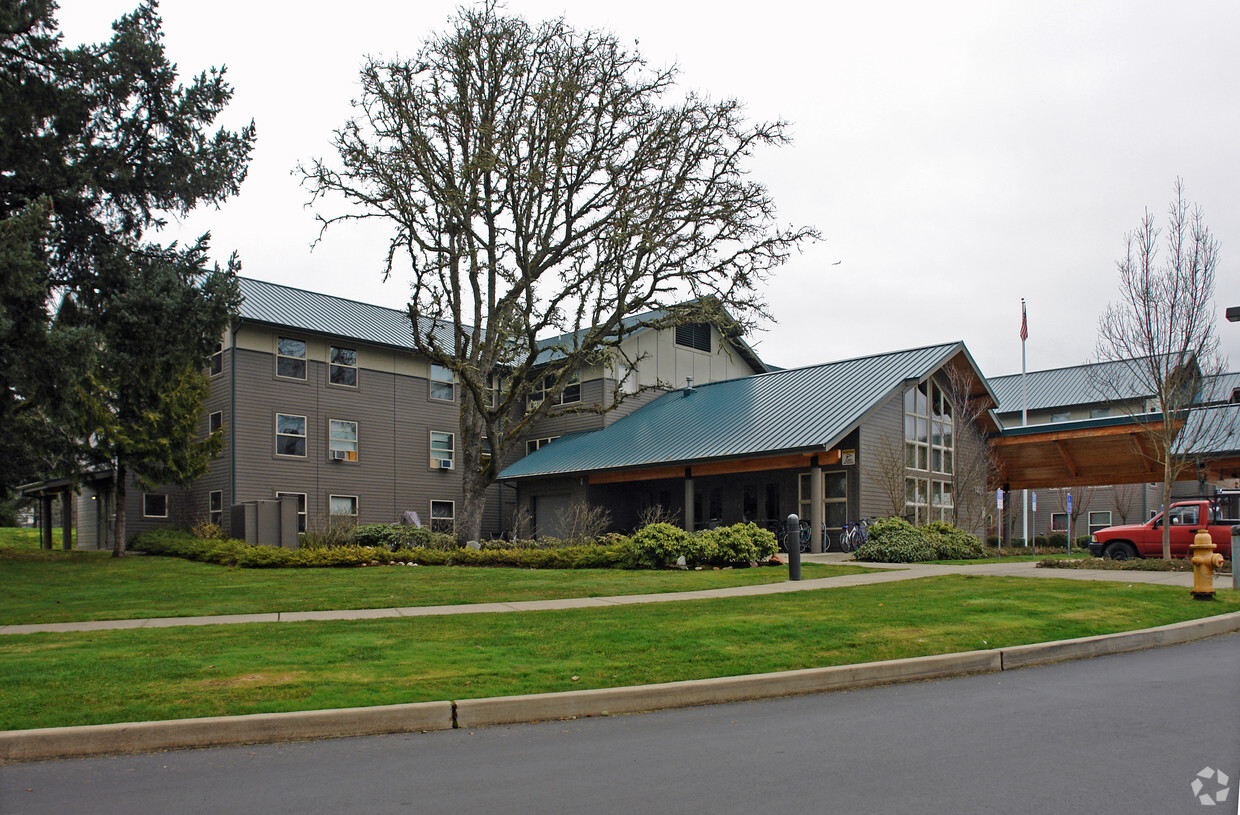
[(217, 359), (301, 508), (215, 507), (215, 421), (290, 358), (485, 457), (442, 383), (694, 335), (442, 451), (1061, 417), (1059, 522), (1184, 516), (342, 440), (917, 428), (342, 506), (290, 435), (917, 500), (538, 444), (342, 367), (1099, 413), (495, 387), (154, 505), (1099, 520), (542, 391), (443, 517)]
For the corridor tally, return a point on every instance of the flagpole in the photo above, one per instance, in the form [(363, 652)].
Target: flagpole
[(1024, 415)]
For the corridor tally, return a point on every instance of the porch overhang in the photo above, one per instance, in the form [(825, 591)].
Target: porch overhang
[(1095, 453)]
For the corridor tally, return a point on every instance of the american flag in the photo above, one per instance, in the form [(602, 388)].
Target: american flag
[(1024, 323)]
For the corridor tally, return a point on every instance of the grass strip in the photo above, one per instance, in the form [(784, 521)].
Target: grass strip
[(41, 586), (90, 678)]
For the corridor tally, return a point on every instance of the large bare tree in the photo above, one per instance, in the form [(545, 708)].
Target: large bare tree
[(1159, 337), (975, 466), (546, 182)]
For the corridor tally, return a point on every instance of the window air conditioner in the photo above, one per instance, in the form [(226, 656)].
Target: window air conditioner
[(445, 464), (340, 455)]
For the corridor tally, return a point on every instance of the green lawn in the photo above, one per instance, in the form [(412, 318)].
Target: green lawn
[(40, 586), (111, 676)]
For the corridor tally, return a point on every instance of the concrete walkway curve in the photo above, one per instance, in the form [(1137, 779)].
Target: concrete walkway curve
[(886, 573)]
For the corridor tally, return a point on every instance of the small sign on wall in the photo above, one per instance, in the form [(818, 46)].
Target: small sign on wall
[(848, 457)]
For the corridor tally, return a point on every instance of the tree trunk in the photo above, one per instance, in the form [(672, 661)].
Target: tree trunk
[(476, 475), (118, 543), (1166, 507)]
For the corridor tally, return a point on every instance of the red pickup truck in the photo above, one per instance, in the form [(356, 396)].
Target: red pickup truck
[(1145, 540)]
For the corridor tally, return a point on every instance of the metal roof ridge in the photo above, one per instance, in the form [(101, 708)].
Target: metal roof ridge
[(329, 296)]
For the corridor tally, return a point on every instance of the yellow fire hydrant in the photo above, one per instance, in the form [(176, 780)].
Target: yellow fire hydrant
[(1205, 561)]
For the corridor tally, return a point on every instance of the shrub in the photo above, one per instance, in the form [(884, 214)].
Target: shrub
[(741, 543), (894, 540), (400, 536), (207, 531), (583, 523), (329, 531), (661, 544)]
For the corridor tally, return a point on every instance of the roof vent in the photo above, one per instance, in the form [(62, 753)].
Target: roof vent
[(688, 385)]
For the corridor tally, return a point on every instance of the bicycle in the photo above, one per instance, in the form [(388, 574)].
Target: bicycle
[(854, 535)]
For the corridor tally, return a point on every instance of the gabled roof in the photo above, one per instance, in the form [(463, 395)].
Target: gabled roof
[(639, 323), (1058, 387), (797, 410), (278, 305)]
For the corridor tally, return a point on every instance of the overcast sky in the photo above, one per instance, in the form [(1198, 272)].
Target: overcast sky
[(957, 156)]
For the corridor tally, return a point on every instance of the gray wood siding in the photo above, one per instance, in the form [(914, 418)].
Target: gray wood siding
[(884, 422), (392, 474)]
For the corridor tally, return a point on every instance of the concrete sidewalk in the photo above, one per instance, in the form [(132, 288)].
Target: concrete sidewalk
[(886, 573)]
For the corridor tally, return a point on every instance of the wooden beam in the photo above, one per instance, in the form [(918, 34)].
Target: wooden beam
[(648, 474), (1067, 458), (743, 465)]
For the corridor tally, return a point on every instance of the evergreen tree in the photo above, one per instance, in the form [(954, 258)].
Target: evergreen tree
[(98, 144)]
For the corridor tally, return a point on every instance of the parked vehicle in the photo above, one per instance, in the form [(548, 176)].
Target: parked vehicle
[(1145, 540)]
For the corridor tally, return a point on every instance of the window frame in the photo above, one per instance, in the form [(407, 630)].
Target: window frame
[(1064, 528), (1061, 416), (146, 497), (1094, 527), (538, 444), (433, 381), (333, 514), (434, 462), (304, 359), (434, 525), (214, 515), (332, 366), (304, 436), (214, 423), (571, 395), (216, 366), (355, 441)]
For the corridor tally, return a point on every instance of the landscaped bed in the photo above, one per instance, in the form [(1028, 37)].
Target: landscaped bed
[(50, 586), (133, 675), (1132, 565)]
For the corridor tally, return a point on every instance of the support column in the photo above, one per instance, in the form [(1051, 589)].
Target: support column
[(66, 520), (816, 508), (45, 522), (689, 519)]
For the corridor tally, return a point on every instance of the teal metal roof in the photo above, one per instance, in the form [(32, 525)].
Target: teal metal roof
[(797, 410), (1058, 387), (1212, 431), (321, 313)]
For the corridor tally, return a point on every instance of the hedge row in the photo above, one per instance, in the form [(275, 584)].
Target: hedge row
[(656, 546), (894, 540), (237, 553)]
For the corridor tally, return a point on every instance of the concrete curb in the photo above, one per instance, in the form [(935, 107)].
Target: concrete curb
[(695, 692), (138, 737), (216, 731)]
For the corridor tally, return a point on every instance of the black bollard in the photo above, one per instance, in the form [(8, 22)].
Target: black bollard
[(792, 535)]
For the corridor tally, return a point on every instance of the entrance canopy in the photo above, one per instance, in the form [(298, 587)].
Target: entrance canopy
[(1118, 450)]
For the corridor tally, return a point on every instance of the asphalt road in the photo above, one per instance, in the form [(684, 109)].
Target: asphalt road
[(1119, 734)]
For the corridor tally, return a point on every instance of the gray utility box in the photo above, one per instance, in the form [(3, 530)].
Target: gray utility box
[(267, 523)]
